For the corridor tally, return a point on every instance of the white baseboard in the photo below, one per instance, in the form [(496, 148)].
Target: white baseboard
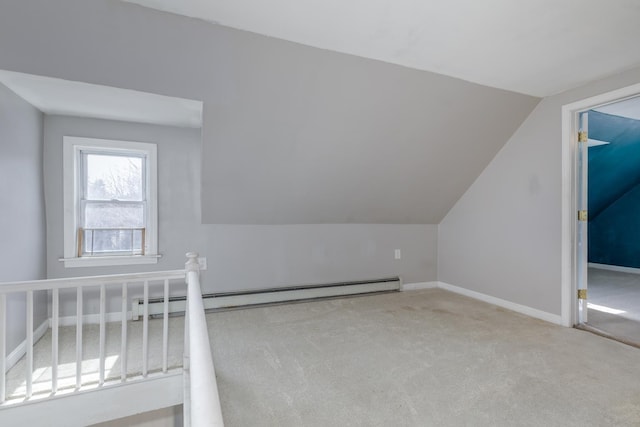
[(418, 285), (518, 308), (614, 268), (92, 319), (19, 352)]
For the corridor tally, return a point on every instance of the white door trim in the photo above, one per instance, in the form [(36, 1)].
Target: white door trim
[(569, 204)]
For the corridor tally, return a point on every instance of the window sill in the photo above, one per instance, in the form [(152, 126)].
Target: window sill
[(104, 261)]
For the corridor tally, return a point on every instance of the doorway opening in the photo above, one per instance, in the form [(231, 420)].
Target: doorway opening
[(601, 214)]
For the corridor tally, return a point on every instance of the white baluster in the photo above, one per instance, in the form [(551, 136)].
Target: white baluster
[(102, 332), (3, 346), (123, 338), (29, 343), (165, 328), (55, 321), (79, 337), (145, 330), (186, 407)]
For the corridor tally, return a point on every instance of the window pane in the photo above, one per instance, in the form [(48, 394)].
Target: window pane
[(113, 177), (98, 242), (113, 215)]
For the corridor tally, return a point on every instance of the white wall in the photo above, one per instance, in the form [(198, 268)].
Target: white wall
[(503, 237), (22, 225), (239, 256), (166, 417)]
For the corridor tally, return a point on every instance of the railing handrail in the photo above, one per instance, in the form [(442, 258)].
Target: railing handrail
[(122, 282), (204, 401), (74, 282)]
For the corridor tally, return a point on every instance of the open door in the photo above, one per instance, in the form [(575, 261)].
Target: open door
[(582, 216), (625, 103)]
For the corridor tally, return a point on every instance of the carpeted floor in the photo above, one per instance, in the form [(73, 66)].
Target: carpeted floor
[(420, 358), (615, 326), (617, 290), (614, 303), (416, 358)]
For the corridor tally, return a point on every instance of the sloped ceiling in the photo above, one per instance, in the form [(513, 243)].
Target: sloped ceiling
[(614, 169), (535, 47), (629, 108), (291, 134), (67, 98)]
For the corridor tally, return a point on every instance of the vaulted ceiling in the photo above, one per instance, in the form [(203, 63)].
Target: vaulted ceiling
[(535, 47)]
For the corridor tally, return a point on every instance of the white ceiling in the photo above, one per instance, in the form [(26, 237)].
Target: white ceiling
[(69, 98), (535, 47), (629, 108)]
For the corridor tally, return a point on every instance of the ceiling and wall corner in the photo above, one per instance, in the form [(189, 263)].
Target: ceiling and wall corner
[(629, 108), (358, 125), (535, 47), (22, 211), (291, 134), (503, 238), (614, 187), (77, 99)]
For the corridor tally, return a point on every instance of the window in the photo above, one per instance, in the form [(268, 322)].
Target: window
[(110, 202)]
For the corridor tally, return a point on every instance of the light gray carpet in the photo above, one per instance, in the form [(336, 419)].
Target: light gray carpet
[(419, 358), (616, 327), (618, 292)]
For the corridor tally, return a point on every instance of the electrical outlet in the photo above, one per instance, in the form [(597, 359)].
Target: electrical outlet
[(398, 254), (202, 261)]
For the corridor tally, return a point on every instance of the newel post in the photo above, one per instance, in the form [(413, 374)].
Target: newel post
[(192, 263), (192, 268)]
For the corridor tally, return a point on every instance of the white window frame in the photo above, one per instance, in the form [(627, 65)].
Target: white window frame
[(72, 150)]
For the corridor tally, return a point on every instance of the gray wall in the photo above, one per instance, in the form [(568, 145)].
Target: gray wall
[(22, 216), (239, 256), (292, 134), (503, 237), (319, 137), (178, 185)]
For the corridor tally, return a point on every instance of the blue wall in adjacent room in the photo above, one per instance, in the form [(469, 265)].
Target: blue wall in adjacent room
[(614, 191)]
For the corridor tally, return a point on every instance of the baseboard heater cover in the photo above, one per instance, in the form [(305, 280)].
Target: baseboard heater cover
[(273, 295)]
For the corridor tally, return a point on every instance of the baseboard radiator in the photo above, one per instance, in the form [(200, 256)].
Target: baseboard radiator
[(269, 296)]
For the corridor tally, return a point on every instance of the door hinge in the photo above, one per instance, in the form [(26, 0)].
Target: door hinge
[(583, 136), (582, 294), (582, 215)]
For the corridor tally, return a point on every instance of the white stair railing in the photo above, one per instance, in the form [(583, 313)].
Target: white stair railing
[(201, 402), (200, 397), (124, 284)]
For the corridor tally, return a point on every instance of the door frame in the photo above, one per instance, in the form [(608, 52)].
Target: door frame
[(569, 266)]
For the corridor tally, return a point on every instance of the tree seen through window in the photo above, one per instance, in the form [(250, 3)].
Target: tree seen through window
[(113, 206)]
